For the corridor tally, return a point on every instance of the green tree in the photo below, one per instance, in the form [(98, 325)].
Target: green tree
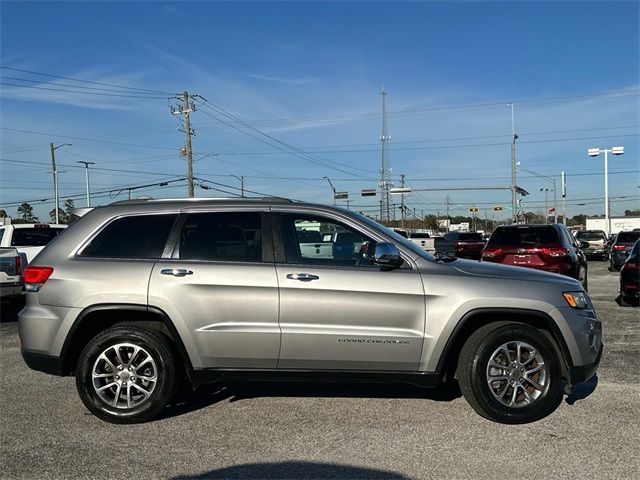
[(632, 213), (25, 212), (3, 214), (62, 216)]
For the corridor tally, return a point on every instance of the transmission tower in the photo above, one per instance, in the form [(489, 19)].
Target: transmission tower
[(385, 169)]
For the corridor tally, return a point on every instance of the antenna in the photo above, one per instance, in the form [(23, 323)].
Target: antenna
[(385, 169)]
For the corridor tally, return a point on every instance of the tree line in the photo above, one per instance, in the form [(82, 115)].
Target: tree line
[(26, 214)]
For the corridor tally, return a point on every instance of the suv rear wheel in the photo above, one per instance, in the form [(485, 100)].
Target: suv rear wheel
[(126, 374), (509, 373)]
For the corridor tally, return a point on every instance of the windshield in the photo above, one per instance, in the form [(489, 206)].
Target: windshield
[(408, 244)]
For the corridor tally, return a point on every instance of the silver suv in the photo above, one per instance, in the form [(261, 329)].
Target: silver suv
[(137, 296)]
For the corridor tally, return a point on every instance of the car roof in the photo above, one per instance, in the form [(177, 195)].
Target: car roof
[(204, 201)]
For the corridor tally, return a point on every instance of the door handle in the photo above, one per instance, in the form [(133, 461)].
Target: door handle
[(303, 277), (176, 272)]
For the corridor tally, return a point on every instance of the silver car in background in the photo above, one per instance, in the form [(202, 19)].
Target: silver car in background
[(140, 295)]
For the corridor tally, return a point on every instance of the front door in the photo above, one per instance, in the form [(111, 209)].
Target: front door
[(337, 309), (220, 289)]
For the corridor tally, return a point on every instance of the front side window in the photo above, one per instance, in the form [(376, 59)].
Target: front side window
[(317, 240), (139, 236), (222, 236)]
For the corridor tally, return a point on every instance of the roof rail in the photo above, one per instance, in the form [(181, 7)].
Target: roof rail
[(139, 201)]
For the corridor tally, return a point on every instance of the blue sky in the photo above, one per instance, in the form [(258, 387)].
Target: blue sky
[(309, 74)]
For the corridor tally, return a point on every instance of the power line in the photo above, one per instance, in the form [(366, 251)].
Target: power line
[(58, 84), (86, 139), (76, 91), (86, 81), (412, 111), (290, 149)]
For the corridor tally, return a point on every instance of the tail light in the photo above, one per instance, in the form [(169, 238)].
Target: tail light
[(618, 248), (555, 252), (491, 252), (34, 277), (18, 265), (631, 266)]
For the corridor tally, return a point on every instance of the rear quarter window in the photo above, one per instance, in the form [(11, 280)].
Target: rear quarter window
[(138, 236)]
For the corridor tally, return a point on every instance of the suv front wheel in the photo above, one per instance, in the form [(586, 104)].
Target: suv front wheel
[(126, 374), (510, 373)]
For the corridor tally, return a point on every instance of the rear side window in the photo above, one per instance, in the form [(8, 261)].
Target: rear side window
[(628, 237), (139, 236), (524, 236), (34, 237), (420, 235), (222, 236)]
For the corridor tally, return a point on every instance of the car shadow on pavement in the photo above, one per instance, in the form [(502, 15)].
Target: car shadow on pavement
[(206, 395), (582, 390), (294, 470)]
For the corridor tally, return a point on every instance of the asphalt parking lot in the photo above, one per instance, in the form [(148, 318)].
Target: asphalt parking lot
[(329, 431)]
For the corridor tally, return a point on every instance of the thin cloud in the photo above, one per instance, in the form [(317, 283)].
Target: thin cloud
[(287, 81)]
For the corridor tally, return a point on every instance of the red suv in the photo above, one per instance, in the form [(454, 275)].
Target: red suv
[(544, 247)]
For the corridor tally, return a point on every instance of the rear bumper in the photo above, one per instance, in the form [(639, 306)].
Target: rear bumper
[(582, 373), (43, 362)]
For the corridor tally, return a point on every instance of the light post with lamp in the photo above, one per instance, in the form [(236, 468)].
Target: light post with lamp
[(595, 152)]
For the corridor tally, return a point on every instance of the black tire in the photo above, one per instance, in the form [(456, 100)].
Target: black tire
[(165, 370), (472, 373)]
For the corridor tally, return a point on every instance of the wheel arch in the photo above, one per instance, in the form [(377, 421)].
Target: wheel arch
[(477, 318), (97, 318)]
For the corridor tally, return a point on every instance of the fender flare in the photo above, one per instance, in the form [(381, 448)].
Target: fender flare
[(168, 323)]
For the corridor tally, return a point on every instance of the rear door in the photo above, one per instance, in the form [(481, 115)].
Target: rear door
[(342, 312), (219, 287)]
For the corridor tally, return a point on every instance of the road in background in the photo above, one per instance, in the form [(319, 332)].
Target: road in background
[(330, 430)]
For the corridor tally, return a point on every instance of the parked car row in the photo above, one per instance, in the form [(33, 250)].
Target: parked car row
[(550, 248)]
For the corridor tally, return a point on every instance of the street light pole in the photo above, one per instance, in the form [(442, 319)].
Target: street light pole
[(332, 189), (514, 137), (86, 171), (55, 179), (546, 207), (241, 180), (594, 152)]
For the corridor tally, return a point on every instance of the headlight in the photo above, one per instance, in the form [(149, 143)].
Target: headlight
[(576, 299)]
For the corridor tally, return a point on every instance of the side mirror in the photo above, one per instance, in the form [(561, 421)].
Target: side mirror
[(584, 245), (387, 255)]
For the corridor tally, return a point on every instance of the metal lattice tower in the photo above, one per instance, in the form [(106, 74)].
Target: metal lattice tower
[(385, 170)]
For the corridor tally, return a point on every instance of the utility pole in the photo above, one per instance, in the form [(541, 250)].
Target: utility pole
[(514, 137), (185, 107), (241, 179), (86, 171), (402, 207)]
